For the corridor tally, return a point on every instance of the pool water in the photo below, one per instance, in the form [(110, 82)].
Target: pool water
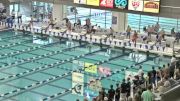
[(33, 71)]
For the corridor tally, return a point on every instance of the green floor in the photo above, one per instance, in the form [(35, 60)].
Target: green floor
[(25, 63)]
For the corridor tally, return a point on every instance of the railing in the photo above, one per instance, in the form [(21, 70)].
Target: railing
[(172, 93)]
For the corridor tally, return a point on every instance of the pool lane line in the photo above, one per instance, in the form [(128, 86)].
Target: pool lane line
[(27, 60), (25, 50), (46, 66), (52, 78)]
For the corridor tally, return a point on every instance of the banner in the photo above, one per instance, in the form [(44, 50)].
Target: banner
[(151, 6), (121, 4), (136, 5), (107, 3), (78, 83), (93, 2), (89, 68), (80, 1)]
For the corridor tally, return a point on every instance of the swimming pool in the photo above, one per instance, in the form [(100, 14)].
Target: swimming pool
[(36, 69)]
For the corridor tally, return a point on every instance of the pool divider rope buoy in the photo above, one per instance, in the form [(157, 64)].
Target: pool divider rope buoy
[(52, 78)]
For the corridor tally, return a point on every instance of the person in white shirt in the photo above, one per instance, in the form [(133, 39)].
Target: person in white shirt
[(13, 14), (68, 25), (19, 16), (140, 72), (31, 21), (173, 59), (149, 32), (156, 28), (167, 84)]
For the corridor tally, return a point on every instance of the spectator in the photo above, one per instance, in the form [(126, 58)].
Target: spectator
[(111, 93), (103, 93), (166, 71), (13, 14), (159, 74), (79, 22), (156, 28), (140, 71), (173, 32), (152, 29), (162, 34), (153, 76), (111, 32), (177, 37), (128, 87), (160, 87), (167, 83), (137, 96), (147, 95), (94, 29), (128, 30), (123, 90), (144, 29), (117, 94), (31, 21), (149, 31), (129, 98), (99, 97), (149, 74), (135, 37), (68, 25), (177, 74), (106, 99), (171, 70), (173, 59), (19, 16)]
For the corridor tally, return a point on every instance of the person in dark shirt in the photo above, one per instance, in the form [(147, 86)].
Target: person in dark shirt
[(171, 72), (149, 77), (128, 89), (103, 92), (118, 90), (123, 90), (153, 76), (111, 93)]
